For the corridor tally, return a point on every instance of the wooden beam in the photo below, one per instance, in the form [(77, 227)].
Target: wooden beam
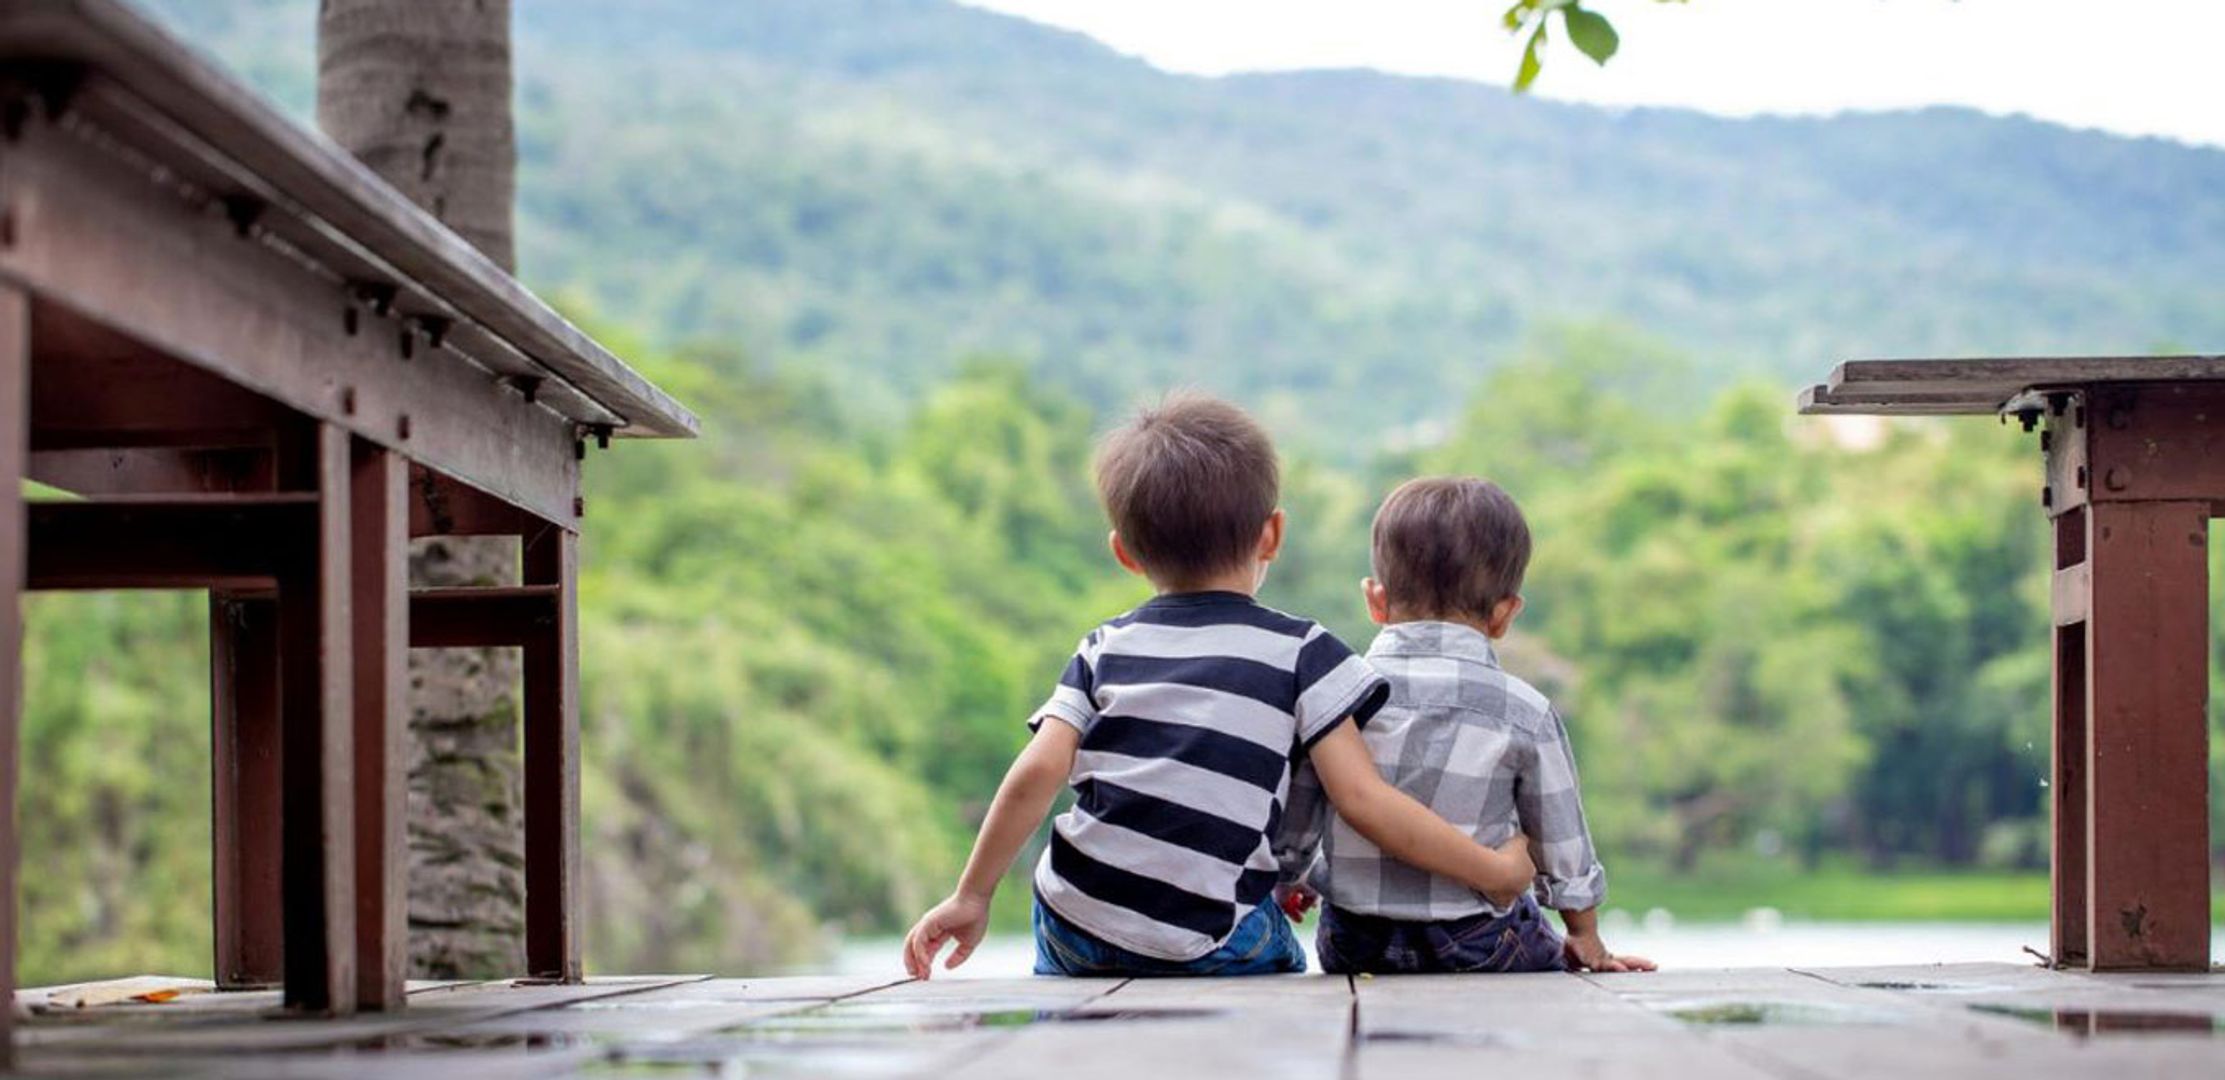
[(209, 541), (153, 470), (15, 372), (92, 234), (442, 505), (317, 707), (245, 742), (552, 869), (2146, 692), (379, 606), (491, 617)]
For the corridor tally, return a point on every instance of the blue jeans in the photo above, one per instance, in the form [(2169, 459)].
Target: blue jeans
[(1523, 939), (1261, 945)]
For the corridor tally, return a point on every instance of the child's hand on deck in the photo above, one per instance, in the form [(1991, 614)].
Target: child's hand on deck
[(962, 919), (1296, 900), (1588, 952)]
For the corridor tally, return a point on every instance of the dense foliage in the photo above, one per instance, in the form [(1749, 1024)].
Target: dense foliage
[(810, 637)]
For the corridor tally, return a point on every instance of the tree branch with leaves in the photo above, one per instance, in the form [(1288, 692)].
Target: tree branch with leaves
[(1588, 30)]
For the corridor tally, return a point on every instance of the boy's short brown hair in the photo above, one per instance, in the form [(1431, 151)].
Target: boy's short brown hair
[(1450, 546), (1188, 484)]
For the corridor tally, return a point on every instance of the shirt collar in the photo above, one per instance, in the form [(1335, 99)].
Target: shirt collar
[(1429, 638), (1193, 599)]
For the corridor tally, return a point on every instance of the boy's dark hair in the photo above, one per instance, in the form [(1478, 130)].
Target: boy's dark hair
[(1450, 546), (1188, 484)]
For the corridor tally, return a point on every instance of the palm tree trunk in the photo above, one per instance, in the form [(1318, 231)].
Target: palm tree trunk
[(419, 90)]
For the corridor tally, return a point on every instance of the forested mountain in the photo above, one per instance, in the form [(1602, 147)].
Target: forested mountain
[(879, 188)]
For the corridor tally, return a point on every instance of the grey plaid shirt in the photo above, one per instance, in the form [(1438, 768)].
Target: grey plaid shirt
[(1480, 747)]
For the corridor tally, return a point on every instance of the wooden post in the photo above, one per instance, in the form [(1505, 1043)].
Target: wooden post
[(245, 746), (317, 709), (552, 923), (379, 566), (15, 443), (2147, 691)]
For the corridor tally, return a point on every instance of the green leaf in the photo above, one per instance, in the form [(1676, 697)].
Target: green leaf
[(1531, 64), (1591, 33), (1516, 15)]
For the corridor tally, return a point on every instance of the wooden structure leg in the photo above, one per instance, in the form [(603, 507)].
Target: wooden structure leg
[(317, 709), (15, 428), (552, 920), (2146, 690), (379, 608), (245, 747)]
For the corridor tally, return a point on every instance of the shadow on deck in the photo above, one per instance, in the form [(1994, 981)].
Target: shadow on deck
[(1754, 1023)]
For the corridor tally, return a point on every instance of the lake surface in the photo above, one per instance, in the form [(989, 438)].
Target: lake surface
[(1761, 940)]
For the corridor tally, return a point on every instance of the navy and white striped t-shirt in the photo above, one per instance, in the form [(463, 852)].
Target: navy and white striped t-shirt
[(1190, 709)]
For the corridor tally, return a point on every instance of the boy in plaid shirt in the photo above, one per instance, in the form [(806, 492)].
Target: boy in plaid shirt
[(1477, 745)]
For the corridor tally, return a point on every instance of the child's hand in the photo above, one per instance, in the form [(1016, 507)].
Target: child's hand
[(1296, 900), (962, 919), (1587, 952), (1520, 872)]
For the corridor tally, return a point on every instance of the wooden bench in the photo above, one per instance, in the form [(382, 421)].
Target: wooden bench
[(2135, 470), (265, 372)]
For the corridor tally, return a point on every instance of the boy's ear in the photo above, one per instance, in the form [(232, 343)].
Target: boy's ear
[(1270, 537), (1120, 553), (1502, 615), (1378, 601)]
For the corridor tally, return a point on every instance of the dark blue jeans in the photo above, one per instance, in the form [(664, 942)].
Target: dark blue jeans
[(1523, 939), (1261, 945)]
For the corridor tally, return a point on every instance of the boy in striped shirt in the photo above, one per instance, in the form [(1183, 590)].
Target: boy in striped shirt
[(1177, 725)]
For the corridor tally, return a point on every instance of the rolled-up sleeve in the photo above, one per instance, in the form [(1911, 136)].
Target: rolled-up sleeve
[(1551, 809), (1074, 699)]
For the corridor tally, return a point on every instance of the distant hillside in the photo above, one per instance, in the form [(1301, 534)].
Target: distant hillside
[(878, 188)]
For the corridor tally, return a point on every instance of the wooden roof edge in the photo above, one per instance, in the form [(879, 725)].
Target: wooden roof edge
[(1824, 401), (325, 180), (2031, 370)]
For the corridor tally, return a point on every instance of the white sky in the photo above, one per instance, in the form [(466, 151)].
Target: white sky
[(2143, 67)]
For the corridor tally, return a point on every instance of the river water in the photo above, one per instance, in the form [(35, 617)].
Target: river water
[(1760, 940)]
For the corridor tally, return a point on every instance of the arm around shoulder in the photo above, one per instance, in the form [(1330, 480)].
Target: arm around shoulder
[(1407, 830)]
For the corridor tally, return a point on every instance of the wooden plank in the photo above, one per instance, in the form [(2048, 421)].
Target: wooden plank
[(1824, 401), (489, 616), (379, 637), (152, 470), (1940, 376), (316, 708), (1286, 1026), (216, 541), (309, 173), (244, 751), (15, 379), (429, 1012), (1530, 1024), (2147, 691), (98, 238), (551, 723)]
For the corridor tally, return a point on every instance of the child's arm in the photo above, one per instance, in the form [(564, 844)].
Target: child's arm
[(1406, 830), (1022, 799)]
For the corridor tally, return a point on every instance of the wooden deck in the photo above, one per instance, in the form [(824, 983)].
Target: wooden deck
[(1953, 1020)]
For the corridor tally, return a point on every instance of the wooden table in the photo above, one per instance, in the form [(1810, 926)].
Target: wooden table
[(2135, 450), (264, 372)]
